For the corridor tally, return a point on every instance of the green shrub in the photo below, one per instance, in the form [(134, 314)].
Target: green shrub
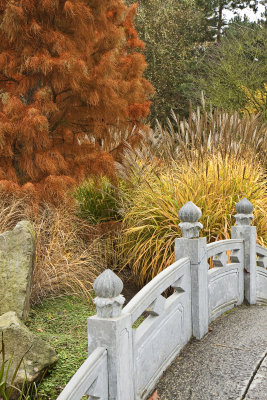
[(237, 63), (97, 200), (171, 30)]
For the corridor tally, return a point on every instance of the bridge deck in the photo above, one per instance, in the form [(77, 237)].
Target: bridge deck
[(229, 363)]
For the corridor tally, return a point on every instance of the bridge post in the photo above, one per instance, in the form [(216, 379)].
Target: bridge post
[(190, 245), (243, 230), (112, 330)]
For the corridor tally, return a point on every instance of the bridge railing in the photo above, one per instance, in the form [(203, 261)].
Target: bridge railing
[(207, 279), (91, 379), (226, 278), (166, 327), (261, 274)]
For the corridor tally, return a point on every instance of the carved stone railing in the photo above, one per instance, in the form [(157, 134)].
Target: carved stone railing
[(205, 280), (166, 328), (261, 274), (226, 279), (91, 379), (261, 253)]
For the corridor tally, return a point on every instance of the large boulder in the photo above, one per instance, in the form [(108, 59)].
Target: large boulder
[(17, 251), (19, 341)]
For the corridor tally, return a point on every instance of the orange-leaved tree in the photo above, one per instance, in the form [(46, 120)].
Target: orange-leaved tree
[(69, 71)]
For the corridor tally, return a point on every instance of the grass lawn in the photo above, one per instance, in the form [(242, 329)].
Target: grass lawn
[(62, 322)]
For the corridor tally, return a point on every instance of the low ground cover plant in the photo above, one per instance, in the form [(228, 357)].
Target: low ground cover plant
[(62, 323)]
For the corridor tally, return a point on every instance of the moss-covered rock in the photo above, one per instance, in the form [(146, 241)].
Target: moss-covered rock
[(17, 250), (19, 341)]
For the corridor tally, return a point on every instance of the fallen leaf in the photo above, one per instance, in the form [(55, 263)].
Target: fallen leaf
[(154, 396)]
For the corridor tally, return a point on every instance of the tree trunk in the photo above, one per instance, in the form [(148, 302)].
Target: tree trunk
[(220, 22)]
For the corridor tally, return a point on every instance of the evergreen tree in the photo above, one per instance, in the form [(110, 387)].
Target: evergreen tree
[(69, 70), (213, 9), (172, 30), (233, 74)]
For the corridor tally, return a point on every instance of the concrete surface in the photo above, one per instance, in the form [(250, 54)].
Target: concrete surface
[(229, 363)]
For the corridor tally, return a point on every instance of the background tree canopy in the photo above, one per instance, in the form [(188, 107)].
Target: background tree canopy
[(213, 11), (171, 30), (190, 48), (233, 73)]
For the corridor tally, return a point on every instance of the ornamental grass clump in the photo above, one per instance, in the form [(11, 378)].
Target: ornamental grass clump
[(97, 200), (151, 208), (208, 132), (66, 261)]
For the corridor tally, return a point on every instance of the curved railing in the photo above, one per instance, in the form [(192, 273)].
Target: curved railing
[(91, 379), (166, 327), (147, 296), (226, 279), (217, 248)]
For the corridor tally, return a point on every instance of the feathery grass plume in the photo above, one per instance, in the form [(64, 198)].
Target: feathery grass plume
[(208, 132), (159, 190), (65, 263)]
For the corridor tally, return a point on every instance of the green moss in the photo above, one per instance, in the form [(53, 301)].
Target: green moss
[(62, 322)]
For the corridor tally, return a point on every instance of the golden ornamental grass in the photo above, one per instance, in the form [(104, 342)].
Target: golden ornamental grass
[(158, 192)]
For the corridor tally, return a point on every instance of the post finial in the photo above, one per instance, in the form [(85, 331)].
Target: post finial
[(244, 214), (108, 287), (189, 214)]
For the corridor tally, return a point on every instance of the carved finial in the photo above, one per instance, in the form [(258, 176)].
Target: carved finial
[(189, 214), (244, 214), (108, 287)]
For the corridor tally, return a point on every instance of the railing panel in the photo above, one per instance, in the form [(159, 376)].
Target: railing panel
[(261, 282), (146, 296), (91, 379), (222, 246), (261, 274), (261, 253), (226, 281), (162, 335)]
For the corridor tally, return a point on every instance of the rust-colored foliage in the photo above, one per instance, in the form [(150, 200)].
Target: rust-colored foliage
[(69, 71)]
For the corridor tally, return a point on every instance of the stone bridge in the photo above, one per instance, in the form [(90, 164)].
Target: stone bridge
[(219, 356)]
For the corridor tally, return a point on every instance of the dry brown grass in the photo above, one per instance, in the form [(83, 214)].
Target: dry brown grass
[(66, 262)]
